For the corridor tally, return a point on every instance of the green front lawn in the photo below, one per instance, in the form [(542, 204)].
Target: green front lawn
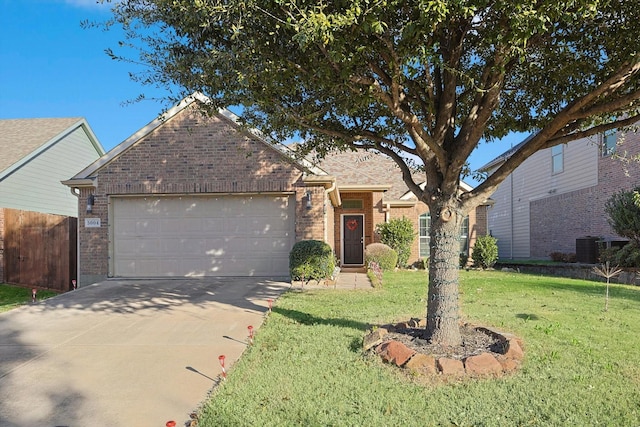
[(13, 296), (582, 365)]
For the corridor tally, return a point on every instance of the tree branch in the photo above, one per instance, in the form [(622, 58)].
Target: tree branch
[(592, 131), (613, 83)]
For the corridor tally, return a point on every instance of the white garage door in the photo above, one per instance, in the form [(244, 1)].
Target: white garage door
[(202, 236)]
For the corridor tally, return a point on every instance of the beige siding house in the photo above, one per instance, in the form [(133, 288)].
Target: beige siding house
[(558, 194), (36, 154), (195, 195)]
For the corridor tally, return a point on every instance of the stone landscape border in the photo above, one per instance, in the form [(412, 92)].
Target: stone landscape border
[(507, 360)]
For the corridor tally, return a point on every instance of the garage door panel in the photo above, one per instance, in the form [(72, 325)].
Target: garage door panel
[(202, 236)]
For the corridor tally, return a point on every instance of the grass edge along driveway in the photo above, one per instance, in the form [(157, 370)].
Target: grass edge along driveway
[(12, 296), (582, 365)]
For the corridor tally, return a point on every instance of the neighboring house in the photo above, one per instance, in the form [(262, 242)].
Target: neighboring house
[(35, 155), (557, 196), (196, 195)]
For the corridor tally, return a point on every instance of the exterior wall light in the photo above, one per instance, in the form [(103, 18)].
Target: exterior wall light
[(308, 196), (90, 202)]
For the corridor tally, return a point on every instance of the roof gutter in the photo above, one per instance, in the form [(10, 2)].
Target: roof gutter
[(329, 184), (81, 183)]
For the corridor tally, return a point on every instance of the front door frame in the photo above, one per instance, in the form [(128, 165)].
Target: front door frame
[(342, 225)]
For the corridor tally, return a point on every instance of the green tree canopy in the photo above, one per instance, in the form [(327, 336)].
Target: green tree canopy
[(422, 82), (623, 209)]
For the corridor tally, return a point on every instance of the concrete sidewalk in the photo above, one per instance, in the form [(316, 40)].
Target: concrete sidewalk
[(125, 353)]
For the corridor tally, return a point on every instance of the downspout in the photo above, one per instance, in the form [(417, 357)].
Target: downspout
[(324, 214), (73, 191), (511, 216)]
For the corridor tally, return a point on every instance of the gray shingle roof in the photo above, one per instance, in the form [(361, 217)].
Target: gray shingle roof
[(20, 137)]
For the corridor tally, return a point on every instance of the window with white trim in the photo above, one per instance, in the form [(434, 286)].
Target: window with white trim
[(425, 239), (609, 143), (557, 159)]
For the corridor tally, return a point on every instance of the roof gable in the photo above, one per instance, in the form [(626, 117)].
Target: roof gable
[(21, 139), (140, 135)]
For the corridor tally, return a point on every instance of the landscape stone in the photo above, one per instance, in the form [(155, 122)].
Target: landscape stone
[(373, 338), (508, 364), (422, 363), (450, 366), (395, 352), (482, 364), (513, 350), (508, 361), (402, 325)]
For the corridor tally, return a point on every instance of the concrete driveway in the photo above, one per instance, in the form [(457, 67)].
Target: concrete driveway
[(125, 353)]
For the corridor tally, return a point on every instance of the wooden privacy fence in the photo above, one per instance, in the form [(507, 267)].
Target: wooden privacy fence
[(39, 249)]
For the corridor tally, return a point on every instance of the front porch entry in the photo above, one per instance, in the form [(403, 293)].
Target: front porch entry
[(352, 230)]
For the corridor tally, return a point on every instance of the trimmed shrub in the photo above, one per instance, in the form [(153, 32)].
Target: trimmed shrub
[(627, 257), (311, 260), (623, 209), (485, 252), (382, 255), (563, 257), (398, 234)]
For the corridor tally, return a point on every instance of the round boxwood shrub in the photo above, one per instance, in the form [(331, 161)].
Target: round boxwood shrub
[(311, 260), (382, 254)]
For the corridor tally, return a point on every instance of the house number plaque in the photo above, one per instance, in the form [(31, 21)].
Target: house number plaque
[(92, 222)]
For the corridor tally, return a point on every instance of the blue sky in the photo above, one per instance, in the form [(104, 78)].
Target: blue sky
[(51, 67)]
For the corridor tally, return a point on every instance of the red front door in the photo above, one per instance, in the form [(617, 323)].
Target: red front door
[(353, 239)]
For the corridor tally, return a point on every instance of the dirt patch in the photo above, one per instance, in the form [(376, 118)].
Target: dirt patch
[(474, 342), (483, 351)]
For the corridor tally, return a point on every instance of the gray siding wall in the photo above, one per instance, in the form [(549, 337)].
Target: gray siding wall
[(510, 219), (36, 186)]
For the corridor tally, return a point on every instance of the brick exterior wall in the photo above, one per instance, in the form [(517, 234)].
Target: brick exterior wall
[(557, 221), (478, 225), (310, 223), (191, 154)]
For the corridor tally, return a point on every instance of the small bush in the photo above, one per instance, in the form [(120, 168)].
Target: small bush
[(422, 263), (311, 260), (485, 252), (382, 255), (464, 260), (628, 256), (563, 257), (398, 234), (623, 209)]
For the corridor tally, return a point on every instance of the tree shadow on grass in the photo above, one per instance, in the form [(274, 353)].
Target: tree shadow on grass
[(308, 319)]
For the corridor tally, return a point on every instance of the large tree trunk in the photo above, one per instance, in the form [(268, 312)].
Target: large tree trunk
[(442, 303)]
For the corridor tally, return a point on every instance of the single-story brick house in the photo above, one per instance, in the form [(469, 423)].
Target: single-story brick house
[(196, 195)]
